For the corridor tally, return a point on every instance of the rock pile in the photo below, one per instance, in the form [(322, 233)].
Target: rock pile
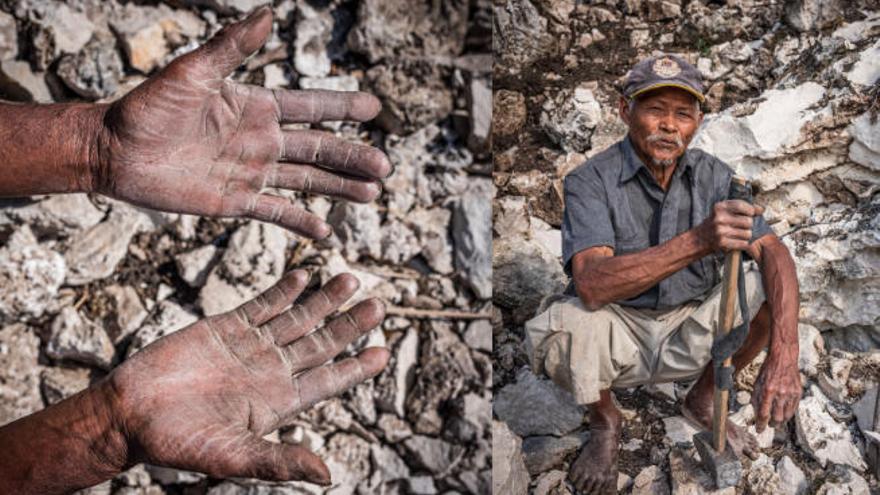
[(792, 105), (88, 282)]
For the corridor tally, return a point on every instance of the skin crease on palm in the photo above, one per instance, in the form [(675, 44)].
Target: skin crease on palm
[(189, 140)]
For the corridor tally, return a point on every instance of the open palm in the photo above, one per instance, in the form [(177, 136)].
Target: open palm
[(202, 398), (189, 140)]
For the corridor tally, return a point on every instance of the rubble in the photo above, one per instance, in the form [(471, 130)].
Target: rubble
[(31, 274), (791, 105), (20, 373), (509, 473)]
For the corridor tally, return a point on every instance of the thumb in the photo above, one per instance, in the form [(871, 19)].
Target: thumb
[(229, 48), (261, 459)]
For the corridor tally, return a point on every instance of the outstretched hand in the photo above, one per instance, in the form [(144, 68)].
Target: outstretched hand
[(203, 397), (189, 140)]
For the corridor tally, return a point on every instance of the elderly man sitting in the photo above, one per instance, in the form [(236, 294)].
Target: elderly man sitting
[(645, 228)]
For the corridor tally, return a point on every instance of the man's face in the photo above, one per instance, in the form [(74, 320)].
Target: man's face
[(662, 123)]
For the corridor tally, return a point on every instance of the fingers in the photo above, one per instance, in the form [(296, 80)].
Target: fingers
[(258, 458), (262, 308), (282, 212), (315, 105), (311, 179), (331, 380), (740, 207), (778, 412), (323, 345), (228, 49), (762, 407), (327, 150), (302, 318)]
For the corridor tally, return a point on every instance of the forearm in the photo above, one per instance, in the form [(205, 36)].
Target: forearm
[(781, 289), (48, 148), (615, 278), (71, 445)]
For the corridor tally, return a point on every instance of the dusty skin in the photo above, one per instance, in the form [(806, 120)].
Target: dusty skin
[(190, 141)]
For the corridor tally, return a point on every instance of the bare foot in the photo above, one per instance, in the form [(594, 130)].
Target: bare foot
[(699, 410), (595, 469)]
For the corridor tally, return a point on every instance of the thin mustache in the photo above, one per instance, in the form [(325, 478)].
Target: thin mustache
[(657, 137)]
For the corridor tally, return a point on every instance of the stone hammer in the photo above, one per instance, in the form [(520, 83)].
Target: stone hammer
[(716, 454)]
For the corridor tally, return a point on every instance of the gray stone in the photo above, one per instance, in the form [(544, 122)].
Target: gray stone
[(20, 373), (94, 253), (509, 473), (59, 383), (762, 476), (479, 114), (543, 453), (253, 261), (76, 338), (148, 34), (421, 485), (689, 478), (314, 30), (433, 454), (517, 403), (388, 463), (472, 234), (679, 430), (843, 481), (479, 335), (357, 226), (865, 146), (552, 483), (127, 313), (93, 72), (30, 275), (389, 30), (61, 29), (413, 95), (822, 437), (348, 458), (169, 476), (167, 318), (864, 411), (866, 70), (524, 272), (809, 15), (431, 226), (569, 118), (651, 481), (59, 215), (334, 83), (18, 82), (792, 480), (521, 34), (393, 428), (811, 346), (8, 37), (194, 266), (400, 380), (399, 243)]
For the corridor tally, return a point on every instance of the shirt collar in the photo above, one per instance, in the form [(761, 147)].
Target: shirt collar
[(632, 163)]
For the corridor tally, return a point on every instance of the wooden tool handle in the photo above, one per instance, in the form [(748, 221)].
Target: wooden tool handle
[(726, 315)]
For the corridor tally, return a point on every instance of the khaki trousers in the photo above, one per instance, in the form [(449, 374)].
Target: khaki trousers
[(586, 351)]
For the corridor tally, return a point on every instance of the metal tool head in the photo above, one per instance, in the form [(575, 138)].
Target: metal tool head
[(724, 467)]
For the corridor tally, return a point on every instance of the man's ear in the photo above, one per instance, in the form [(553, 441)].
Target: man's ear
[(623, 109)]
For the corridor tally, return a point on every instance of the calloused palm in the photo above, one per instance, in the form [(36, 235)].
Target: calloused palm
[(189, 140), (202, 398)]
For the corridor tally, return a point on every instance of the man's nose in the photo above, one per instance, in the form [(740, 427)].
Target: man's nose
[(667, 123)]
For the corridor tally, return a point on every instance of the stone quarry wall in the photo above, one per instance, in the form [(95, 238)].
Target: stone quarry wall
[(792, 105), (86, 282)]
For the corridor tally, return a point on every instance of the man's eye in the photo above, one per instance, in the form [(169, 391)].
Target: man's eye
[(684, 115)]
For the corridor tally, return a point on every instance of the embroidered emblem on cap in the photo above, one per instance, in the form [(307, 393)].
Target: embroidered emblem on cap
[(666, 67)]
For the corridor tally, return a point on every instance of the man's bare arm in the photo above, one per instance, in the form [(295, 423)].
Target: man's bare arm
[(601, 278), (778, 386), (48, 148)]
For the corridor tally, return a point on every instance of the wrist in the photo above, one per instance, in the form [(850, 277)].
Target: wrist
[(91, 158), (111, 453)]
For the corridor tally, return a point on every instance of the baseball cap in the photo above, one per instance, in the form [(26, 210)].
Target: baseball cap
[(663, 71)]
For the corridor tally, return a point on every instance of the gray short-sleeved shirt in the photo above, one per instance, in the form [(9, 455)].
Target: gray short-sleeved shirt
[(613, 200)]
